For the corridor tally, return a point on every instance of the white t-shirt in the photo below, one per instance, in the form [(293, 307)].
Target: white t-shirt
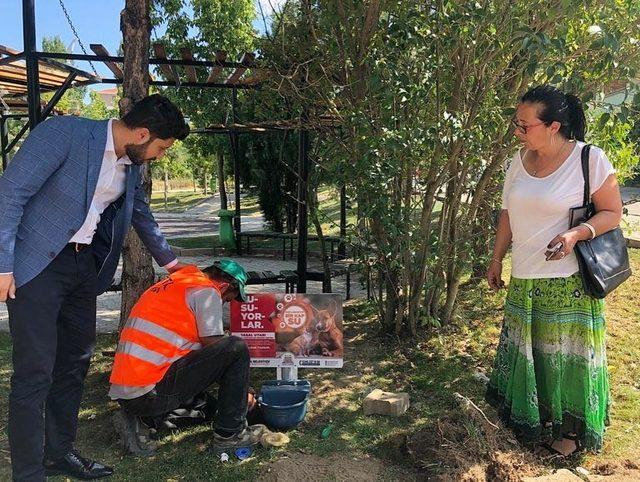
[(539, 210)]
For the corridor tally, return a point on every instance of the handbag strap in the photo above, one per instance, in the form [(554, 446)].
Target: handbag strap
[(585, 174)]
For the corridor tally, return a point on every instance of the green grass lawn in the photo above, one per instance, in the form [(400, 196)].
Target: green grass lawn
[(180, 201), (177, 201), (436, 436)]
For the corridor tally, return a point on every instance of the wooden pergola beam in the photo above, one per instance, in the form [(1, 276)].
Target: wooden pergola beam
[(186, 54), (247, 61), (168, 71), (221, 56), (12, 72), (100, 49)]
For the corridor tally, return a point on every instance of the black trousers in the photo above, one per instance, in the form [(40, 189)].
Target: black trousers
[(225, 362), (53, 328)]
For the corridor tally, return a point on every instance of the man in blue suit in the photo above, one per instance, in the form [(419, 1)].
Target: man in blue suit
[(67, 199)]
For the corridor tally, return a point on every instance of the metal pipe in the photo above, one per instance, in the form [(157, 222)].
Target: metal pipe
[(58, 95), (237, 221), (33, 87), (15, 116), (4, 140), (17, 137), (303, 179), (202, 85), (343, 222), (115, 58), (9, 59)]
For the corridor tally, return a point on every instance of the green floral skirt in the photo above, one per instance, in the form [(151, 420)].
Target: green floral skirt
[(550, 373)]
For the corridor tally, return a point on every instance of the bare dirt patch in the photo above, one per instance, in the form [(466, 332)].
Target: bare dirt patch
[(468, 448), (309, 467)]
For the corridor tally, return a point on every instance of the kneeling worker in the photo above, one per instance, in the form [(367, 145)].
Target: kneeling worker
[(172, 348)]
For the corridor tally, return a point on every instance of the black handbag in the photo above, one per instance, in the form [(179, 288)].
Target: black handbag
[(603, 260)]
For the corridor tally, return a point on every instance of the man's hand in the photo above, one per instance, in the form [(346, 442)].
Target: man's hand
[(177, 266), (7, 287)]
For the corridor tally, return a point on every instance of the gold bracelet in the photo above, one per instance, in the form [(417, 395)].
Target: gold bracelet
[(497, 261)]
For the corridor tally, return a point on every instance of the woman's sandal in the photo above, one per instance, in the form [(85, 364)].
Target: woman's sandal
[(546, 451), (554, 453), (576, 440)]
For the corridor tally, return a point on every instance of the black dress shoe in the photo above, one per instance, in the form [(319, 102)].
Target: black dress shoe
[(75, 465)]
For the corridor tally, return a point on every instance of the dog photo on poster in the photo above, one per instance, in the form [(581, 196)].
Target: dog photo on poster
[(303, 330)]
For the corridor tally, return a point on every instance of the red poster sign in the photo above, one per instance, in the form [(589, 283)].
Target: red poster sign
[(290, 329)]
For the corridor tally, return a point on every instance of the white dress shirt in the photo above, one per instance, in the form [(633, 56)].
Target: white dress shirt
[(111, 185)]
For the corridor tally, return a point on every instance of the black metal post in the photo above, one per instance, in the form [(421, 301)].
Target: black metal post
[(33, 76), (58, 95), (4, 140), (47, 111), (303, 179), (237, 222), (9, 59), (342, 251), (17, 137)]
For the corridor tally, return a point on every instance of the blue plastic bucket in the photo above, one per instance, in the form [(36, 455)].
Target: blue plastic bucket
[(284, 403)]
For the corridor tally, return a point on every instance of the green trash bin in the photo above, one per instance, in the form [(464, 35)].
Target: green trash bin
[(226, 234)]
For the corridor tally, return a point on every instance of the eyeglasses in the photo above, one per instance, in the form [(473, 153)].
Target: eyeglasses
[(523, 128)]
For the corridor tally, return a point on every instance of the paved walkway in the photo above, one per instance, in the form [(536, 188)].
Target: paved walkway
[(631, 224), (201, 220)]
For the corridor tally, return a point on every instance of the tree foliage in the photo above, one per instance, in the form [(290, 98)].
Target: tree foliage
[(424, 93), (204, 27)]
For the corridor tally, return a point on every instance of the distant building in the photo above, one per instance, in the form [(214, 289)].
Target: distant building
[(108, 96)]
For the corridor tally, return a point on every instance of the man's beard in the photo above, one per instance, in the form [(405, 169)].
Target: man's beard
[(137, 153)]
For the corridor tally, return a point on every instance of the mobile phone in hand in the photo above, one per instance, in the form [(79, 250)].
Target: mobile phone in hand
[(553, 251)]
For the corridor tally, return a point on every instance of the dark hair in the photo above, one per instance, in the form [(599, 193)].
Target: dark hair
[(216, 273), (158, 114), (558, 106)]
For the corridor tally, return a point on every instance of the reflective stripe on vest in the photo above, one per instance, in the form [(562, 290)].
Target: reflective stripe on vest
[(160, 330), (133, 349), (162, 333)]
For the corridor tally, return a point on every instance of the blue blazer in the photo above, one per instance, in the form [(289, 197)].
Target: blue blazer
[(45, 195)]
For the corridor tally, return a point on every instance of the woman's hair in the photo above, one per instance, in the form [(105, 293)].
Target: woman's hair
[(158, 114), (558, 106)]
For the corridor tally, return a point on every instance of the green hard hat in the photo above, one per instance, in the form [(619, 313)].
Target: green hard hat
[(237, 272)]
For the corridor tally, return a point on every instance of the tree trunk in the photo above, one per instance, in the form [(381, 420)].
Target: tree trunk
[(453, 286), (205, 175), (137, 271), (388, 282), (222, 188)]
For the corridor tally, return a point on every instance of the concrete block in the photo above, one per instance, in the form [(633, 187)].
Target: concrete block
[(385, 403)]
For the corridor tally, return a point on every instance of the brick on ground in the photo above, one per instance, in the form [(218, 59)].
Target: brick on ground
[(386, 403)]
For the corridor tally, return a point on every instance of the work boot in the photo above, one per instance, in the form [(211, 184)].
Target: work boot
[(249, 437), (134, 435)]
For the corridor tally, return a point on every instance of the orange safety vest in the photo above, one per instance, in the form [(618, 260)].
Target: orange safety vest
[(160, 330)]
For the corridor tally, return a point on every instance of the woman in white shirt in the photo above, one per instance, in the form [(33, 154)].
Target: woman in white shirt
[(550, 381)]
